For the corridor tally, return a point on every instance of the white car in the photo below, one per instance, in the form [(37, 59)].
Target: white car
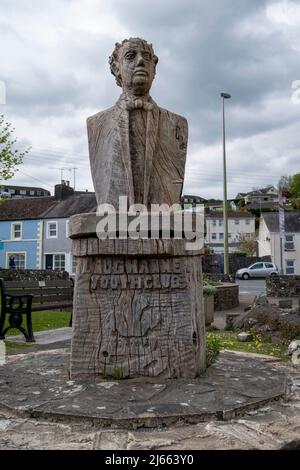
[(261, 269)]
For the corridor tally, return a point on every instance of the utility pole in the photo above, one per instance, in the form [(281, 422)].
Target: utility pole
[(225, 96), (74, 176), (61, 169)]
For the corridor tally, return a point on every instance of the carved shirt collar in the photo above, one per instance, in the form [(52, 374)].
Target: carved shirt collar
[(127, 102)]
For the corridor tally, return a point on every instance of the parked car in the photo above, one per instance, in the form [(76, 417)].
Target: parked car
[(257, 270)]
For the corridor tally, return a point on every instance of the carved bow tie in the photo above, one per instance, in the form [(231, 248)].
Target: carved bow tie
[(138, 104)]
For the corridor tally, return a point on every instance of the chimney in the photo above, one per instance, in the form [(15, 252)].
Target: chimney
[(63, 191)]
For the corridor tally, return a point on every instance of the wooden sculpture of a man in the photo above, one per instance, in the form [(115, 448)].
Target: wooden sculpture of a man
[(137, 149)]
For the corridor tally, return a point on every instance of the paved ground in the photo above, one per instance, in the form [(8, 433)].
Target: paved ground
[(252, 286), (45, 337), (46, 412)]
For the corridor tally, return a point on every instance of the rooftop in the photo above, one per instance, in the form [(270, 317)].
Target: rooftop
[(25, 208), (230, 214), (292, 221)]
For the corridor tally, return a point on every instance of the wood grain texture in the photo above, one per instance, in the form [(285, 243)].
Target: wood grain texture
[(111, 156), (138, 316)]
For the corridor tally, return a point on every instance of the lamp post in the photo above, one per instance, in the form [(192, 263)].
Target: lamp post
[(225, 96)]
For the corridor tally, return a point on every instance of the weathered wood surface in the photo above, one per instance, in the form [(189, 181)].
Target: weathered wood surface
[(136, 148), (138, 316), (129, 247)]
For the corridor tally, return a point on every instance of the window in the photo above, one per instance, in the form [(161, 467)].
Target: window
[(289, 266), (229, 235), (236, 221), (220, 223), (257, 266), (16, 231), (213, 236), (289, 242), (214, 223), (59, 262), (248, 221), (74, 264), (51, 229), (221, 236), (269, 265), (19, 258)]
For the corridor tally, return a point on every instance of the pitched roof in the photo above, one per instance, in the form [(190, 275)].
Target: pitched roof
[(75, 204), (230, 215), (292, 221), (25, 208)]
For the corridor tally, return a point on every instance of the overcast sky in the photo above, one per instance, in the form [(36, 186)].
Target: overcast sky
[(54, 62)]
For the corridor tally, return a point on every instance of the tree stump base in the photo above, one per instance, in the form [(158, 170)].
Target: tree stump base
[(138, 309)]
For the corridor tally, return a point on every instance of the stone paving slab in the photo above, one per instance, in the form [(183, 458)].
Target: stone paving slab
[(235, 384), (45, 337)]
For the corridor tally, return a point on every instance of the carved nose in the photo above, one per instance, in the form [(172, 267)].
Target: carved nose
[(140, 60)]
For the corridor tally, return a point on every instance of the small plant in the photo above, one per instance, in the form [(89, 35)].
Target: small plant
[(209, 290), (213, 346), (118, 373)]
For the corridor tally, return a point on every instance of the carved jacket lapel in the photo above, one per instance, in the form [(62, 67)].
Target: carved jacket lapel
[(122, 119), (151, 141)]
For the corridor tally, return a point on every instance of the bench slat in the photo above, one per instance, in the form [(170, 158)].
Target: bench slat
[(36, 284), (41, 291)]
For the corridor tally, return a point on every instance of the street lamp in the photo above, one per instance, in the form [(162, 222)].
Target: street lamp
[(225, 96)]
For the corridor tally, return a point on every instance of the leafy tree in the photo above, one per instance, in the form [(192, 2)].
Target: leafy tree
[(284, 185), (295, 185), (10, 157), (247, 245), (295, 203)]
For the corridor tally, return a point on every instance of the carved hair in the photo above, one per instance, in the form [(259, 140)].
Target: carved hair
[(114, 58)]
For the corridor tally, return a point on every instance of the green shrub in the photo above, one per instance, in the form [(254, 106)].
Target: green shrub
[(208, 290), (213, 346)]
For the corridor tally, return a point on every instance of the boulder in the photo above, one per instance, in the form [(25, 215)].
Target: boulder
[(244, 337)]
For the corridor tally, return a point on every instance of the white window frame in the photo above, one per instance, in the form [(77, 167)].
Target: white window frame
[(49, 222), (289, 242), (221, 237), (214, 222), (213, 236), (9, 253), (220, 222), (248, 221), (236, 221), (65, 259), (290, 267), (13, 237), (53, 256)]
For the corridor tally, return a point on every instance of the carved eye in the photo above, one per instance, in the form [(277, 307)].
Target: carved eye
[(147, 56), (130, 55)]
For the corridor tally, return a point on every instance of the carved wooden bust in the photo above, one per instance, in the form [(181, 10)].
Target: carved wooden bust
[(137, 149)]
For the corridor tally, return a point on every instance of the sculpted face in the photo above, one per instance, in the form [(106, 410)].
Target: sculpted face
[(136, 67)]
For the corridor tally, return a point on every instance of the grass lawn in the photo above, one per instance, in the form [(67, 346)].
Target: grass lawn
[(229, 341), (47, 320)]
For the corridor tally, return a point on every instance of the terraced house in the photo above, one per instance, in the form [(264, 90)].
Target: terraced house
[(21, 231), (36, 230)]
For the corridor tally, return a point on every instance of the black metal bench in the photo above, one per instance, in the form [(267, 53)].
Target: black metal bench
[(20, 298)]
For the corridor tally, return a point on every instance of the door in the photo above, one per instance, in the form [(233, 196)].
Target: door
[(257, 270), (49, 262)]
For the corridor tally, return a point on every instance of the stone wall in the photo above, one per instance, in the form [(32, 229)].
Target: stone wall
[(283, 286), (35, 274), (226, 297), (214, 263)]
